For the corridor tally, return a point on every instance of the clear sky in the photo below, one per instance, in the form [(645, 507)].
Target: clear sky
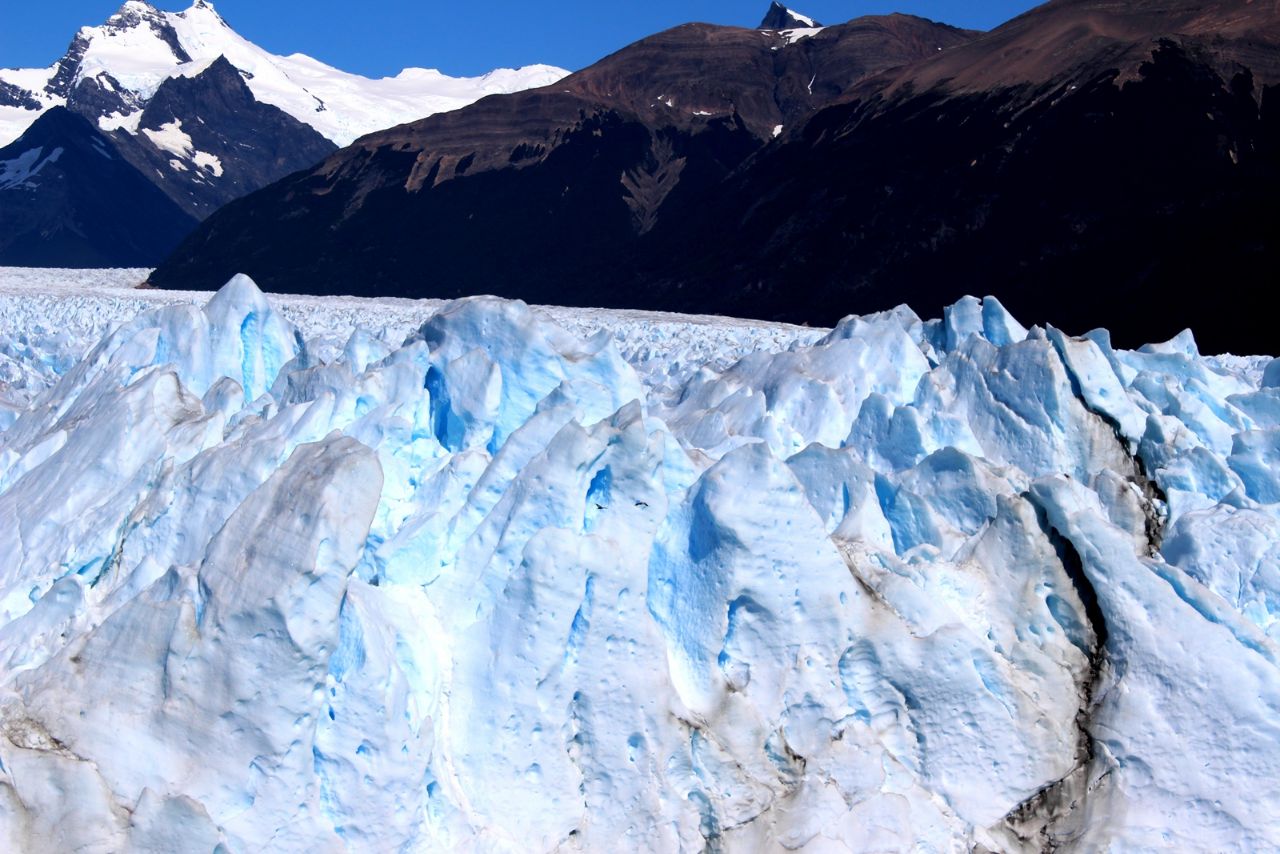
[(379, 37)]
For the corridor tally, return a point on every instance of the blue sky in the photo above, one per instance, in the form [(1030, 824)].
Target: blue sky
[(378, 37)]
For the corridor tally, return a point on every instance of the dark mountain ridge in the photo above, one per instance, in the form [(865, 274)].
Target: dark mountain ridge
[(545, 188), (201, 139), (61, 188), (243, 144), (1092, 164)]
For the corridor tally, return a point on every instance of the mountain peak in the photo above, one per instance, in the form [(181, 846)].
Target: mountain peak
[(110, 71), (779, 17), (131, 11), (203, 6)]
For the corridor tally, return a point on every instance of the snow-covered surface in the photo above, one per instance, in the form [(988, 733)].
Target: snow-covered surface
[(118, 121), (19, 171), (469, 580), (63, 312), (172, 138), (340, 105), (793, 36), (803, 19)]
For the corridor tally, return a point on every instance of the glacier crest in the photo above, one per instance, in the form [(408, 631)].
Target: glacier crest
[(943, 585)]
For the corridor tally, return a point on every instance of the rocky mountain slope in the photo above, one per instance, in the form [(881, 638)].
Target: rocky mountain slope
[(1084, 158), (542, 191), (62, 184), (779, 17), (205, 140)]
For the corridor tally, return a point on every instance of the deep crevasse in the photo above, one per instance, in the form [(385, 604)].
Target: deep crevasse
[(920, 585)]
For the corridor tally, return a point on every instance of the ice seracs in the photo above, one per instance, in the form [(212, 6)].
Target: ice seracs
[(941, 584)]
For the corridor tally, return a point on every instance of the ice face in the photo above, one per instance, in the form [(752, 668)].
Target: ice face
[(478, 581)]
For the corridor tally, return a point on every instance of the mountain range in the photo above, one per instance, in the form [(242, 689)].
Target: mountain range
[(201, 114), (538, 193), (1082, 158), (1121, 153)]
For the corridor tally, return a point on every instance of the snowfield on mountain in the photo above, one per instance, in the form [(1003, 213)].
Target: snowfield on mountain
[(308, 575), (125, 60)]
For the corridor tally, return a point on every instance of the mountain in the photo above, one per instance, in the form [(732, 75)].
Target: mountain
[(63, 189), (779, 17), (111, 71), (207, 140), (564, 179), (1086, 157), (202, 114)]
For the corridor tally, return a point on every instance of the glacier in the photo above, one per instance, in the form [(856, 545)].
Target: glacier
[(299, 576)]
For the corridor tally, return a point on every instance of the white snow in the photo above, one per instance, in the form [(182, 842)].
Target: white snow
[(208, 162), (777, 131), (19, 171), (172, 138), (795, 35), (326, 573), (15, 120), (341, 106), (118, 121), (804, 19)]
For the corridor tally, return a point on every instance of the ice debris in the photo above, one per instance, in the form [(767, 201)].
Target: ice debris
[(942, 585)]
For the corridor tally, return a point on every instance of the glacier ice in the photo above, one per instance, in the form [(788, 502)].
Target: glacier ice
[(512, 579)]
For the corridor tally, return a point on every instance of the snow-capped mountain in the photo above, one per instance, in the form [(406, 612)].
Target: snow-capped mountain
[(201, 113), (111, 71), (205, 140), (474, 582)]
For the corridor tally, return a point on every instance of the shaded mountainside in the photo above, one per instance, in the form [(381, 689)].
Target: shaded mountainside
[(61, 188), (1090, 163), (207, 140), (201, 142), (539, 193), (1094, 163), (1147, 207)]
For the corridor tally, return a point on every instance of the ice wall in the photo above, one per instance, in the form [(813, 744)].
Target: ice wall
[(915, 586)]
